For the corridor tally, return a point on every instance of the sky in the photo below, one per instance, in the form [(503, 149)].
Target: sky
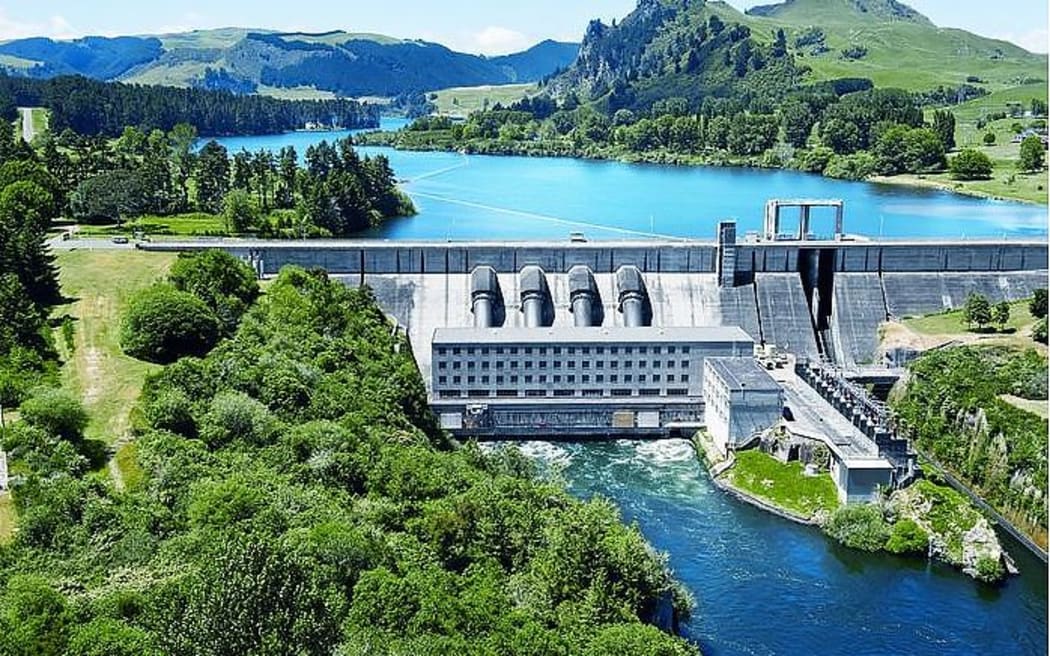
[(476, 26)]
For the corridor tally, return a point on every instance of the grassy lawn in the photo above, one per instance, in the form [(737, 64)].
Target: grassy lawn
[(7, 516), (461, 101), (194, 224), (1037, 408), (783, 485), (951, 323), (100, 284)]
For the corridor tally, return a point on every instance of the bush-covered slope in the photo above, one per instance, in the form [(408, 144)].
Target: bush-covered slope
[(952, 405), (297, 497)]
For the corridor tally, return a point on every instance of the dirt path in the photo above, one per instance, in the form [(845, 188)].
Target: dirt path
[(28, 133)]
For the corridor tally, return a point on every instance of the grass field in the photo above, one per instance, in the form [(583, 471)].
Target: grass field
[(195, 224), (783, 485), (294, 93), (951, 323), (1006, 183), (100, 284), (461, 101)]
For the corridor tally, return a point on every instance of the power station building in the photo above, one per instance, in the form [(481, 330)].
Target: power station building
[(567, 379), (741, 400)]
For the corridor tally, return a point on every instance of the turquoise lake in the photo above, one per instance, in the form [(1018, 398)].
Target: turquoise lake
[(764, 586), (484, 197)]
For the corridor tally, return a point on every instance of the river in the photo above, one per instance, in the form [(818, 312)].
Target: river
[(483, 197), (763, 585)]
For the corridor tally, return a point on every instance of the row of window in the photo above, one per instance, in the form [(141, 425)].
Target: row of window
[(558, 350), (570, 378), (557, 364), (559, 393)]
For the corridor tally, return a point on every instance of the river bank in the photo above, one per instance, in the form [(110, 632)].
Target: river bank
[(923, 519), (998, 188)]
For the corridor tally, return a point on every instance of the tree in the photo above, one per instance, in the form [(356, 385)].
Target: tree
[(989, 139), (240, 212), (1033, 154), (780, 44), (944, 127), (977, 311), (163, 324), (923, 150), (111, 196), (1001, 314), (57, 412), (225, 283), (212, 174), (109, 637), (970, 164), (796, 117), (1037, 306), (1038, 107), (1039, 331), (841, 136)]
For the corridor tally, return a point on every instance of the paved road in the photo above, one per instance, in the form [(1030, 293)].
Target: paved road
[(28, 134), (88, 244)]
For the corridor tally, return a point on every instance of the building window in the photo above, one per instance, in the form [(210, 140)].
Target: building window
[(642, 350), (628, 364), (528, 350), (641, 364), (614, 378), (592, 392), (499, 365), (536, 392), (543, 350), (570, 379), (670, 378), (600, 350), (614, 350), (506, 392), (543, 379), (542, 364), (685, 364), (441, 350), (627, 350), (471, 379), (528, 364), (557, 350), (670, 350), (499, 380), (614, 364), (670, 364), (514, 364), (456, 351), (599, 378), (656, 364), (586, 350), (557, 378), (456, 380), (585, 378), (564, 392), (621, 392), (677, 392), (648, 392), (477, 393), (449, 394), (484, 350), (513, 379), (641, 378), (586, 364), (442, 365), (457, 365), (571, 364), (571, 350), (557, 364), (528, 380), (684, 378), (442, 379), (485, 379), (656, 378), (470, 364), (600, 364), (499, 350), (627, 378), (685, 349), (514, 350)]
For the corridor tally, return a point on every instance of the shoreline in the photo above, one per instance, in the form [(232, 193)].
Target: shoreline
[(666, 158)]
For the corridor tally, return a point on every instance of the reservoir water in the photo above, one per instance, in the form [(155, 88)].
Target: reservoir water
[(764, 586), (480, 197)]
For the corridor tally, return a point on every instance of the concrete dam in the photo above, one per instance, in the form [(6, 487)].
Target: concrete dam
[(816, 299)]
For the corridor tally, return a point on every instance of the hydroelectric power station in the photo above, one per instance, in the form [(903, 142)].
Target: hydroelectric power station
[(648, 338)]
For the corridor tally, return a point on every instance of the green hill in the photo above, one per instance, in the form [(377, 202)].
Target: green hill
[(669, 47)]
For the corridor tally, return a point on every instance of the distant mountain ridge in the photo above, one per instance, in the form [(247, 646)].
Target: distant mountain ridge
[(246, 60), (697, 50)]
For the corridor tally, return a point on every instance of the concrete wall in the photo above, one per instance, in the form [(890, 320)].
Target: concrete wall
[(381, 257)]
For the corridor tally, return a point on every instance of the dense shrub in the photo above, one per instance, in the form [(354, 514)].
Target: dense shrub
[(57, 412), (163, 324), (859, 526), (907, 537), (225, 283), (970, 165)]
